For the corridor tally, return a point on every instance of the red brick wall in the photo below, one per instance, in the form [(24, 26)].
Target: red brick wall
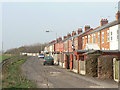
[(71, 61), (61, 47), (76, 43), (106, 44), (65, 46), (79, 42), (70, 45), (86, 39)]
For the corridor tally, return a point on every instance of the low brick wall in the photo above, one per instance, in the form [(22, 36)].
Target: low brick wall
[(105, 66), (91, 63)]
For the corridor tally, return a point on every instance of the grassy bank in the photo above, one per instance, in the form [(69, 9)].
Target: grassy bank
[(4, 57), (12, 76)]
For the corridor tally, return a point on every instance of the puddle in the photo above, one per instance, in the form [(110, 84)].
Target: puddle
[(54, 73)]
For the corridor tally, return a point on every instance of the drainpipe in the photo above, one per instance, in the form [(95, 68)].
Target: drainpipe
[(100, 40)]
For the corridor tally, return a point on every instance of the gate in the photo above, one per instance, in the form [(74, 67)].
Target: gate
[(116, 67)]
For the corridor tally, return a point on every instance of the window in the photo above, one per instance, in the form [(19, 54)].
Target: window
[(83, 40), (102, 37), (89, 39), (98, 37), (86, 39), (111, 35), (108, 36), (117, 34), (94, 39)]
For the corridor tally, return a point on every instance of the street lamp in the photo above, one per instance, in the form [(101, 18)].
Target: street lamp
[(51, 31)]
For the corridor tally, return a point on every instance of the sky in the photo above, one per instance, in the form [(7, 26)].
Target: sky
[(25, 23)]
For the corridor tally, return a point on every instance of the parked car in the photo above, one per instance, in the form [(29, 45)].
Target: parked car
[(48, 60), (41, 56)]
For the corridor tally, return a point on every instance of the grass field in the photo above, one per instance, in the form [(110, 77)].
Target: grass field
[(5, 57), (12, 76)]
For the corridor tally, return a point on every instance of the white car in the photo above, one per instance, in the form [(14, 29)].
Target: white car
[(41, 56)]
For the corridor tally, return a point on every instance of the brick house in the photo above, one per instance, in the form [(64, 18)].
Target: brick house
[(104, 38), (107, 36)]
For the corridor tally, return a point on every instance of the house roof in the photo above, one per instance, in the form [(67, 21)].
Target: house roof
[(66, 39), (81, 51), (92, 51), (110, 51), (51, 43), (94, 30), (97, 51), (107, 26)]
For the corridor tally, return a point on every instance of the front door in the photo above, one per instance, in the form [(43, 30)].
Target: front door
[(68, 61)]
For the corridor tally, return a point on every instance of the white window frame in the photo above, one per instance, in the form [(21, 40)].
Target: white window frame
[(102, 37), (108, 36), (117, 34), (111, 35), (92, 38), (102, 48), (88, 38), (98, 37), (83, 40)]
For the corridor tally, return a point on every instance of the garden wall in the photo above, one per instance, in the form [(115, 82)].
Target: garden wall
[(92, 64), (105, 66)]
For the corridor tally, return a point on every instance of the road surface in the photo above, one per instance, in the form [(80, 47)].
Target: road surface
[(49, 76)]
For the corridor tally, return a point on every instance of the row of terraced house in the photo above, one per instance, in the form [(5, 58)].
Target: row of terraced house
[(73, 50)]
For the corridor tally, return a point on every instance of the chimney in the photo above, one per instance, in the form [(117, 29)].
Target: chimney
[(73, 33), (60, 39), (103, 22), (65, 37), (118, 15), (68, 35), (53, 41), (79, 30), (87, 27)]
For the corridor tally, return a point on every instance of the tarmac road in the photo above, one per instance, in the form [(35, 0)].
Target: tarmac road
[(52, 76)]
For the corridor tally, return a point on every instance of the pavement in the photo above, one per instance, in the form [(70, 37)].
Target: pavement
[(52, 76)]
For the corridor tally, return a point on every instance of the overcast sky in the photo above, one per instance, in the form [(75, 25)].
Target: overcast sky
[(26, 23)]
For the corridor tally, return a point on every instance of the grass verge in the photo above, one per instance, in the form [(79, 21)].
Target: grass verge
[(12, 76), (4, 57)]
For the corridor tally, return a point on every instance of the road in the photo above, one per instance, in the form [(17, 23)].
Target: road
[(55, 77)]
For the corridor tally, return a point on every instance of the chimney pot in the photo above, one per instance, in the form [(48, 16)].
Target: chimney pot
[(68, 35), (73, 33), (65, 37), (103, 22), (87, 27), (60, 39), (79, 30), (118, 15)]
